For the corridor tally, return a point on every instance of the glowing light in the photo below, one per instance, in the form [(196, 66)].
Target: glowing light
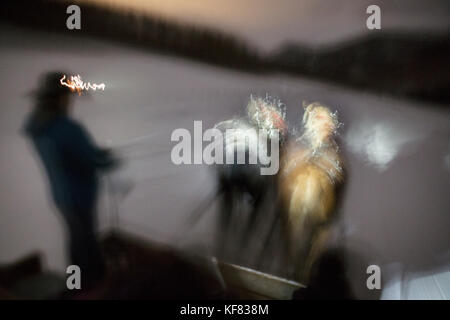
[(77, 84), (379, 143)]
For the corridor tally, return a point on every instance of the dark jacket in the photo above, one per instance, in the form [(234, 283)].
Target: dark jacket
[(70, 158)]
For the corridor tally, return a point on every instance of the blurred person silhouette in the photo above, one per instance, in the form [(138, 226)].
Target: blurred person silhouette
[(72, 162)]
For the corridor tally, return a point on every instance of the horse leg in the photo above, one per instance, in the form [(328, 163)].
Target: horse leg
[(252, 220), (224, 219), (268, 239), (299, 240), (318, 243)]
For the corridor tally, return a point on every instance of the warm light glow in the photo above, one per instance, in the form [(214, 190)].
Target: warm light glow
[(77, 84)]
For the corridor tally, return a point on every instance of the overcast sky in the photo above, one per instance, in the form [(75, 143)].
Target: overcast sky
[(268, 23)]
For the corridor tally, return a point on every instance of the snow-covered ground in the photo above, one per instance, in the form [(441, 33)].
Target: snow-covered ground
[(396, 206)]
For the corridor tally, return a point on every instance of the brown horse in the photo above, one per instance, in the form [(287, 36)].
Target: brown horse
[(311, 171)]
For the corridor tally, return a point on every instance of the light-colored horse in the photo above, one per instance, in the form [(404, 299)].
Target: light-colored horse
[(310, 175)]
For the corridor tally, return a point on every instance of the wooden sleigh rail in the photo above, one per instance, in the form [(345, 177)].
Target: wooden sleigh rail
[(252, 284), (218, 279)]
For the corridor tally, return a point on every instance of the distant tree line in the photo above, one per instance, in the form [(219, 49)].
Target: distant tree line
[(136, 29), (414, 65)]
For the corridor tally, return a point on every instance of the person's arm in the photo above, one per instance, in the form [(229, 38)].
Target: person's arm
[(80, 146)]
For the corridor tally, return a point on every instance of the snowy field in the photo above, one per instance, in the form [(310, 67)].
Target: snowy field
[(396, 206)]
